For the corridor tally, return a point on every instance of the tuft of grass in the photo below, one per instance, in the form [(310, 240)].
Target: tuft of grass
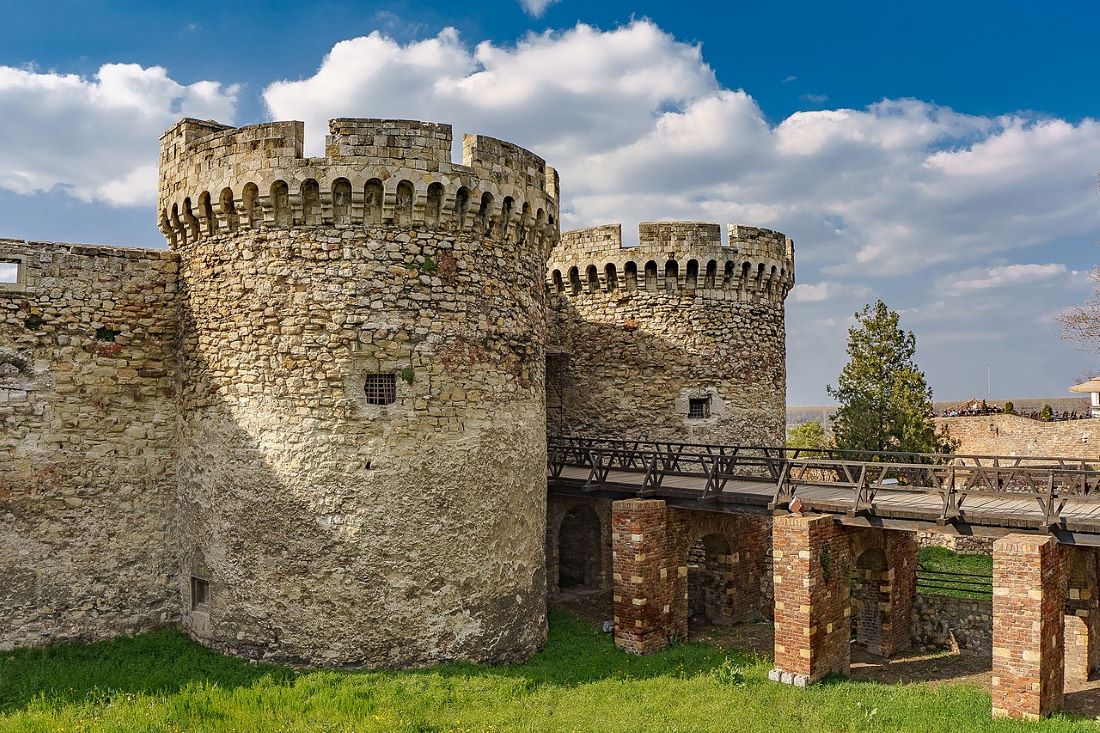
[(162, 681)]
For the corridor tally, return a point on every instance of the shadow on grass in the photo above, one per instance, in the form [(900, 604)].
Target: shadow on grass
[(164, 662)]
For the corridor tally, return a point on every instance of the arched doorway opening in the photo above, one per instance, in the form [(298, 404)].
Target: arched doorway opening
[(579, 550), (868, 575), (710, 565)]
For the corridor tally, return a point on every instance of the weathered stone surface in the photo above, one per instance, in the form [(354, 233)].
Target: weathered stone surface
[(1013, 435), (640, 332)]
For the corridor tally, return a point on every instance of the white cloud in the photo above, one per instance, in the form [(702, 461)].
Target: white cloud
[(812, 292), (639, 128), (1007, 275), (535, 8), (96, 137)]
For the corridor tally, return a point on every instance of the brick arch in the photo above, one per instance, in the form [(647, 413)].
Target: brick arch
[(558, 510), (710, 580)]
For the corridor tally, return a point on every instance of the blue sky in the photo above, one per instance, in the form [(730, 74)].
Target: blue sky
[(941, 156)]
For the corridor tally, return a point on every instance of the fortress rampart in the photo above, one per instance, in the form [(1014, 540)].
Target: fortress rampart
[(681, 337), (216, 179), (87, 430)]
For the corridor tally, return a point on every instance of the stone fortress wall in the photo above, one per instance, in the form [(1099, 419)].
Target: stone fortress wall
[(334, 525), (1014, 435), (87, 428), (679, 338)]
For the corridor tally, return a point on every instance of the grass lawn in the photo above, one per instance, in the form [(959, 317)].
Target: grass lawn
[(942, 559), (164, 682)]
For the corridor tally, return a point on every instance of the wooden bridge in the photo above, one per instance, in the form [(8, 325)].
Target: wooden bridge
[(962, 494)]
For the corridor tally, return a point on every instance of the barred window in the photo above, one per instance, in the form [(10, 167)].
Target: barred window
[(200, 594), (699, 407), (381, 389)]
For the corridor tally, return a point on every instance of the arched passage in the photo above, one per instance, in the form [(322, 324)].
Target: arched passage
[(709, 563), (868, 575), (579, 550)]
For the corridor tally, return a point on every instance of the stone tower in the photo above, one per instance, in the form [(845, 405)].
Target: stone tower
[(680, 338), (361, 376)]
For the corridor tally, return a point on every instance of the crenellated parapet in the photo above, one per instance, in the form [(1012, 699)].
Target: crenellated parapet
[(217, 179), (674, 256)]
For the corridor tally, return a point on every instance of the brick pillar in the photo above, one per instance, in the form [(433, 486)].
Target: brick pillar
[(812, 578), (898, 588), (1082, 620), (1028, 581), (647, 614)]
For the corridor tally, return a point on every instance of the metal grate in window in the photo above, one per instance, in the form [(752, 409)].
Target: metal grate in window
[(699, 407), (381, 389), (200, 593)]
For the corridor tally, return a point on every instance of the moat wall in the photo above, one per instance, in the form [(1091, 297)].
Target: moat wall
[(1013, 435), (638, 334), (87, 428)]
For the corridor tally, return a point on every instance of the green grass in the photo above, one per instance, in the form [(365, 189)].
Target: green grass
[(164, 682), (940, 558)]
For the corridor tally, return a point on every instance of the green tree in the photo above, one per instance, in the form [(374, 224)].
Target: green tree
[(809, 435), (1010, 409), (1046, 414), (885, 402)]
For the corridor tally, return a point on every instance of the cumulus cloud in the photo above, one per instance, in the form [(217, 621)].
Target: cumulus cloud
[(536, 8), (1007, 275), (812, 292), (639, 128), (96, 137)]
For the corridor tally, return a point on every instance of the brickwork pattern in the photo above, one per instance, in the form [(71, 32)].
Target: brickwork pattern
[(884, 625), (557, 509), (645, 577), (1028, 628), (812, 580), (1082, 644)]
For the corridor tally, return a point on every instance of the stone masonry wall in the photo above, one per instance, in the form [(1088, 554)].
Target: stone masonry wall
[(332, 527), (942, 622), (1012, 435), (641, 332), (87, 419)]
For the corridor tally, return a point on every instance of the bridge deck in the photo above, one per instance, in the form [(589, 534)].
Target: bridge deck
[(989, 513)]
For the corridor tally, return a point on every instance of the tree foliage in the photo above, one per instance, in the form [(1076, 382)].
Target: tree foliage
[(1046, 414), (1010, 409), (809, 435), (885, 402), (1082, 323)]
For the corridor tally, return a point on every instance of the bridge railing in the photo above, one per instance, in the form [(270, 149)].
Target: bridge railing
[(1052, 482)]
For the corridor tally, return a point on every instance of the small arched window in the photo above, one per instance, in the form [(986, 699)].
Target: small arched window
[(559, 286), (373, 195), (574, 280), (651, 276), (672, 275), (206, 210), (250, 201), (311, 202), (506, 218), (712, 273), (177, 225), (692, 277), (433, 205), (612, 276), (485, 214), (630, 271), (593, 279), (403, 204), (228, 209), (341, 202), (462, 203), (280, 203)]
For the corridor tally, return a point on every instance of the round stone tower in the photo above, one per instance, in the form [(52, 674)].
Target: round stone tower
[(680, 338), (362, 449)]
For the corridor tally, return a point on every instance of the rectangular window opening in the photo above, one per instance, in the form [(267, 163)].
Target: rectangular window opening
[(699, 407), (381, 389), (200, 594), (10, 272)]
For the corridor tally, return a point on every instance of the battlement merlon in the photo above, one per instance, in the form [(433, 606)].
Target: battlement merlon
[(754, 262), (214, 162), (682, 238)]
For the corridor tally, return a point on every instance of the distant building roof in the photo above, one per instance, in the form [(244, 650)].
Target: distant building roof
[(1093, 385)]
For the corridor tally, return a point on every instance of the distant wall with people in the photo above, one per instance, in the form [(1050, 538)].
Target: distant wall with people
[(1014, 435)]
